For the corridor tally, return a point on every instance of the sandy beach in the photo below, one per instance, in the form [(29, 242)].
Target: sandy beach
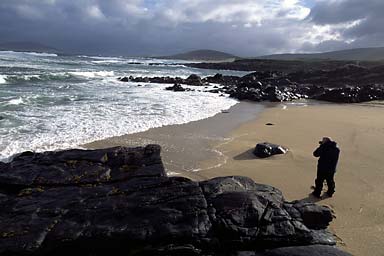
[(186, 146), (222, 145)]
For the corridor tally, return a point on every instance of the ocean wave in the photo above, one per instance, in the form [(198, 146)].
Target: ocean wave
[(12, 79), (3, 79), (92, 74), (106, 61), (105, 58), (86, 121), (37, 54), (41, 54), (17, 101), (134, 61)]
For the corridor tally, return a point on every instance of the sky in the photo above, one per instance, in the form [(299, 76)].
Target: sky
[(160, 27)]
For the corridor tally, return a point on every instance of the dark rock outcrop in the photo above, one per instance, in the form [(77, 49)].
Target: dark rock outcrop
[(267, 149), (194, 80), (352, 94), (177, 88), (348, 83), (124, 79), (101, 202)]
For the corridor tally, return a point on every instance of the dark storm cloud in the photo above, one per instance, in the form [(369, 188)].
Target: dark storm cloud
[(333, 12), (359, 23), (147, 27)]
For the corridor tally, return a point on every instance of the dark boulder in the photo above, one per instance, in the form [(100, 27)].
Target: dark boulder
[(124, 79), (218, 77), (103, 202), (272, 93), (193, 80), (245, 93), (310, 91), (176, 88), (353, 94), (267, 149)]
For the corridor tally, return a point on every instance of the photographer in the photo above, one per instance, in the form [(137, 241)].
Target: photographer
[(328, 154)]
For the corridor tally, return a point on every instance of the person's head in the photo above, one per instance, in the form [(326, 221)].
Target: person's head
[(325, 140)]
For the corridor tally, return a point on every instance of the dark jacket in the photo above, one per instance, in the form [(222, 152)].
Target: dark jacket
[(328, 154)]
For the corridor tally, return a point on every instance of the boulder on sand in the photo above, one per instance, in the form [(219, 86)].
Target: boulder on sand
[(267, 149)]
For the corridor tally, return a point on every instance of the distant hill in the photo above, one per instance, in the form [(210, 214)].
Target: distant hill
[(358, 54), (27, 47), (202, 55)]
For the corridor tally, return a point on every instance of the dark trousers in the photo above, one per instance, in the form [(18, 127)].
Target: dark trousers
[(321, 176)]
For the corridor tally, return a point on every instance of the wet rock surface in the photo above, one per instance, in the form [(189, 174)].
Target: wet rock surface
[(100, 202), (177, 88), (267, 149), (346, 84)]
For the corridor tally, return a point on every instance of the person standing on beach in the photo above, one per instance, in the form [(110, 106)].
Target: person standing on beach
[(328, 154)]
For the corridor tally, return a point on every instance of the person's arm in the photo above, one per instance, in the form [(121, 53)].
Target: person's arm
[(318, 151), (336, 160)]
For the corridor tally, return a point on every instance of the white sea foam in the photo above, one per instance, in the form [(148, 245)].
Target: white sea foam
[(146, 108), (3, 79), (106, 61), (41, 54), (37, 54), (92, 74), (25, 78), (104, 58), (17, 101)]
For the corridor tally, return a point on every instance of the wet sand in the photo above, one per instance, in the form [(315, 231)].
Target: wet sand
[(185, 146), (223, 145)]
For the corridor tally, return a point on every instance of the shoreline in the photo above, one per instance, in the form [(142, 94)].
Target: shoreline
[(185, 146)]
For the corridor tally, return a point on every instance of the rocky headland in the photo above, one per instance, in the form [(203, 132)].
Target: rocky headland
[(106, 201), (348, 83)]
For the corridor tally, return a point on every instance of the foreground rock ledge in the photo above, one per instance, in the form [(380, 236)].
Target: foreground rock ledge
[(100, 202)]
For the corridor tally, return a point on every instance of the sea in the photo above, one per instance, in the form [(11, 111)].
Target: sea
[(51, 102)]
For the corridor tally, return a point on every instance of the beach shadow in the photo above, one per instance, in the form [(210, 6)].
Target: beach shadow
[(247, 155), (312, 199)]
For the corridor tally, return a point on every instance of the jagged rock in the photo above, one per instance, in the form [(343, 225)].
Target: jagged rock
[(309, 215), (267, 149), (218, 77), (277, 86), (194, 80), (272, 93), (310, 91), (101, 202), (124, 79), (353, 94), (176, 88)]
